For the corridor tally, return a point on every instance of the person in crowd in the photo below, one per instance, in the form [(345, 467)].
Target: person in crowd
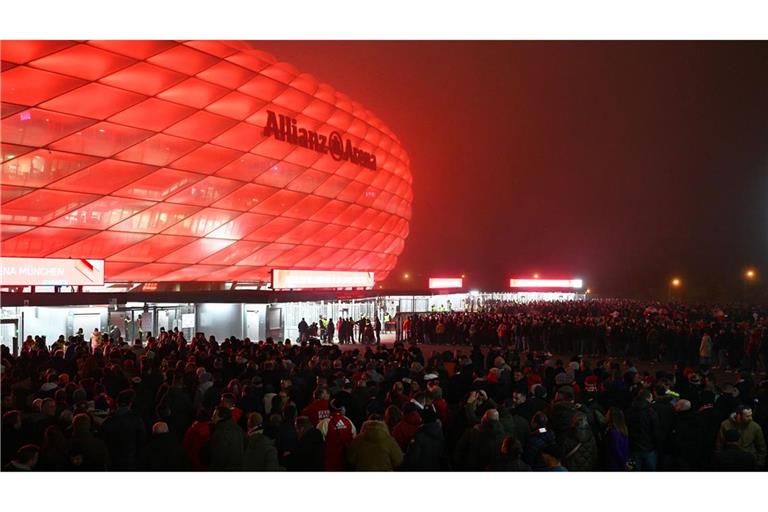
[(124, 434), (338, 431), (425, 452), (310, 450), (731, 457), (616, 441), (25, 459), (406, 428), (12, 436), (551, 457), (751, 438), (540, 436), (374, 449), (643, 427), (164, 451), (510, 458), (93, 450), (260, 451), (478, 447), (226, 447)]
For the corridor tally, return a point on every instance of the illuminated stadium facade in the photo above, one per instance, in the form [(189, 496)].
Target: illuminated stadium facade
[(205, 161)]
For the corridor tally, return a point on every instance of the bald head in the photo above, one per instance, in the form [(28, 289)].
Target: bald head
[(160, 427), (490, 415)]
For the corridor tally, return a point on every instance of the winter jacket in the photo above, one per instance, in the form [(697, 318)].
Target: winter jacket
[(425, 451), (574, 436), (687, 441), (752, 439), (643, 426), (124, 433), (733, 458), (95, 454), (195, 438), (226, 446), (502, 463), (164, 453), (406, 428), (479, 446), (616, 450), (260, 453), (374, 449), (339, 432), (309, 453), (534, 445)]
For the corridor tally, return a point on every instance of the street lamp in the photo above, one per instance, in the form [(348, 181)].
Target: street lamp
[(750, 275), (674, 283), (535, 276)]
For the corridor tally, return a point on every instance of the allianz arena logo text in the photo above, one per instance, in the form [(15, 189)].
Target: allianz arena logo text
[(286, 129)]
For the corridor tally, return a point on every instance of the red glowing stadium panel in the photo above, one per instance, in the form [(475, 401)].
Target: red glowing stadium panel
[(202, 223), (205, 192), (246, 197), (277, 203), (202, 126), (276, 227), (184, 60), (153, 114), (246, 168), (158, 150), (83, 61), (20, 52), (206, 159), (151, 249), (234, 253), (9, 230), (101, 245), (240, 226), (236, 105), (102, 139), (111, 141), (144, 78), (9, 192), (101, 213), (94, 100), (137, 49), (41, 167), (156, 218), (243, 136), (27, 86), (196, 251), (41, 206), (37, 127), (159, 185), (41, 242), (103, 177), (194, 93)]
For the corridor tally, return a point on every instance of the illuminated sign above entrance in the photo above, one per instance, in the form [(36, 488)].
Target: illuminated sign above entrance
[(51, 271), (321, 279), (286, 129)]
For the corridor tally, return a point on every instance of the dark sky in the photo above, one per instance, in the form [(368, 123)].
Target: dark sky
[(624, 163)]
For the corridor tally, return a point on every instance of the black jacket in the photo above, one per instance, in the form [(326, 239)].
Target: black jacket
[(479, 446), (164, 453), (425, 451), (643, 426), (260, 453), (687, 441), (310, 453), (733, 458), (124, 434), (227, 446)]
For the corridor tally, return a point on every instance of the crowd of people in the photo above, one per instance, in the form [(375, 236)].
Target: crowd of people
[(499, 402)]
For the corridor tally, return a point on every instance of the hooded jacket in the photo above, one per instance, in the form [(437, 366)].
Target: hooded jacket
[(260, 453), (751, 441), (425, 451), (405, 429), (643, 426), (374, 449), (227, 446)]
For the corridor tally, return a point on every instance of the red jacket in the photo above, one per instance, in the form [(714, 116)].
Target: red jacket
[(317, 410), (337, 440), (406, 429), (194, 439)]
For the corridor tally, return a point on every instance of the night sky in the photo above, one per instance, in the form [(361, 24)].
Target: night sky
[(625, 163)]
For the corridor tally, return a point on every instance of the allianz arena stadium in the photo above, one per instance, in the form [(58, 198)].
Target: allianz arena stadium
[(193, 161)]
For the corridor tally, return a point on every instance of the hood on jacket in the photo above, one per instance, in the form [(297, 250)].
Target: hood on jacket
[(374, 430)]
